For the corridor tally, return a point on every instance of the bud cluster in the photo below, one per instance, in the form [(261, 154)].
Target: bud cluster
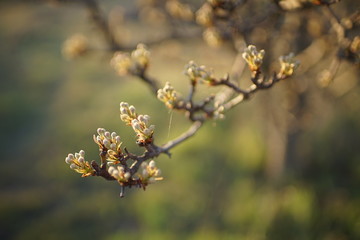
[(140, 123), (168, 95), (127, 113), (253, 58), (75, 46), (196, 73), (119, 174), (143, 130), (135, 63), (77, 163), (109, 142), (149, 173), (288, 65)]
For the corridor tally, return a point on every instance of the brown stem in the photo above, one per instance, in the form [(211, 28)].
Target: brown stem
[(100, 21)]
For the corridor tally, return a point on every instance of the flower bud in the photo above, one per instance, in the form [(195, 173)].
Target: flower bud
[(81, 160), (132, 110), (152, 164), (82, 153), (68, 160), (73, 166), (127, 175), (101, 131), (106, 143)]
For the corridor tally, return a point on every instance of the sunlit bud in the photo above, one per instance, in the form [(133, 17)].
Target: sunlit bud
[(113, 146), (107, 135), (68, 160), (73, 166), (115, 173), (81, 160), (113, 135), (71, 156), (124, 105), (124, 117), (132, 110), (127, 175), (77, 155), (106, 143), (118, 139), (135, 124), (101, 131), (111, 170), (152, 164), (147, 132), (82, 153), (123, 110)]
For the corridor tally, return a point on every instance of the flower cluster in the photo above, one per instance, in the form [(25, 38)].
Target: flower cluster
[(127, 113), (196, 73), (135, 63), (75, 46), (119, 174), (149, 173), (140, 123), (143, 130), (168, 95), (111, 143), (253, 58), (77, 163), (288, 65)]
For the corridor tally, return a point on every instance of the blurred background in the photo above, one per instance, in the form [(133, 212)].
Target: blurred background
[(284, 165)]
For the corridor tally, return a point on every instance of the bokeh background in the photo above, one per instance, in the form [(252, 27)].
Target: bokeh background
[(284, 165)]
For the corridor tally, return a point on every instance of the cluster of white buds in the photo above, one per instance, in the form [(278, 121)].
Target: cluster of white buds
[(119, 174), (127, 113), (134, 63), (196, 73), (109, 142), (288, 65), (253, 58), (140, 123), (149, 173), (75, 46), (143, 130), (77, 163), (168, 95)]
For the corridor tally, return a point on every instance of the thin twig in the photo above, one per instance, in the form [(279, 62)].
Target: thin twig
[(97, 17)]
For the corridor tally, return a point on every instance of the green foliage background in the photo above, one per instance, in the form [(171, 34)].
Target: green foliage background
[(218, 185)]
